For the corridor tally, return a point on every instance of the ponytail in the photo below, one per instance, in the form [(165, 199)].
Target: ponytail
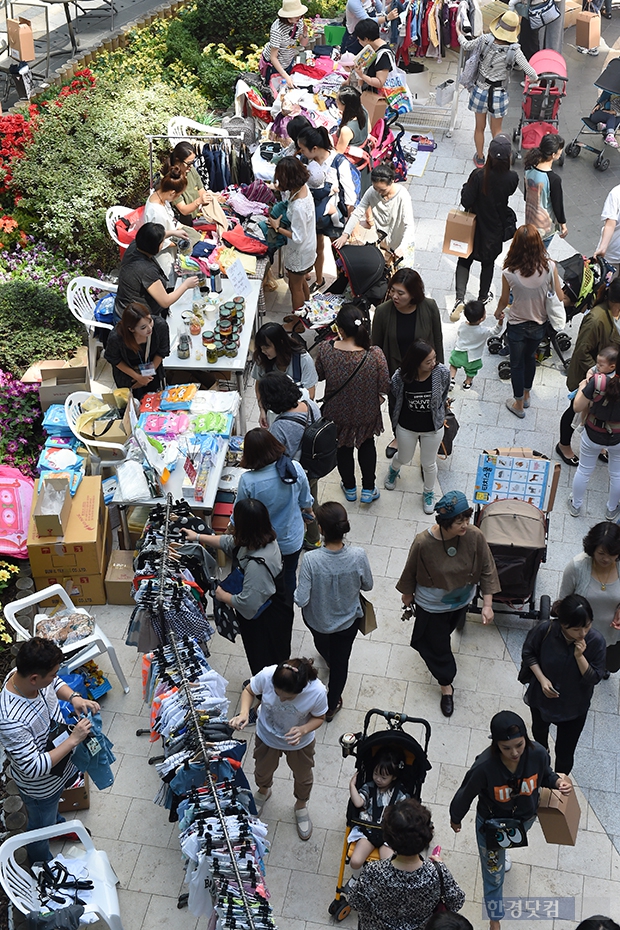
[(293, 675), (549, 145), (317, 137), (354, 325)]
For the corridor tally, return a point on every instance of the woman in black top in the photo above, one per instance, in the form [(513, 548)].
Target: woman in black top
[(376, 74), (486, 193), (542, 189), (136, 349), (506, 778), (563, 659)]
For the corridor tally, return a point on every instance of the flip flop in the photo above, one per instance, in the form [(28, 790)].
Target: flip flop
[(573, 462)]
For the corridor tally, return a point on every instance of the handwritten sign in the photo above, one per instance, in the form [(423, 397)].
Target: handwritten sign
[(238, 278)]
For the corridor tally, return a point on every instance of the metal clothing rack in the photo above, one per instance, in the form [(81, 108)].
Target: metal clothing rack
[(233, 136), (430, 116)]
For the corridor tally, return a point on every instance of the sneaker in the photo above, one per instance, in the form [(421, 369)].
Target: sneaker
[(308, 546), (593, 52), (456, 312), (610, 139), (582, 50), (467, 385), (452, 383), (504, 351), (367, 497), (507, 863), (390, 479), (479, 160), (573, 511), (612, 514), (349, 493), (487, 299), (428, 502)]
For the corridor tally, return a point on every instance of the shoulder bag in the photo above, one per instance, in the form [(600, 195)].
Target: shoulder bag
[(541, 14), (556, 312), (331, 396), (441, 905), (504, 833), (224, 615), (450, 429)]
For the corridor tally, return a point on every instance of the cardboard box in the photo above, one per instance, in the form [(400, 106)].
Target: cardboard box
[(84, 590), (81, 550), (117, 431), (52, 524), (75, 799), (571, 11), (56, 391), (588, 34), (459, 235), (48, 368), (559, 817), (119, 577), (21, 40)]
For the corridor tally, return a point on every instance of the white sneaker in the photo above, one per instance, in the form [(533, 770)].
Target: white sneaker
[(573, 511), (593, 52), (458, 309), (611, 515), (428, 504), (507, 863)]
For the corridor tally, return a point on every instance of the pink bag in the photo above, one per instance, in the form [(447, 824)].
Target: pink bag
[(16, 491)]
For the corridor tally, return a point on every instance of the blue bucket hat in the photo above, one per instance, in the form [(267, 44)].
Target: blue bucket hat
[(452, 504)]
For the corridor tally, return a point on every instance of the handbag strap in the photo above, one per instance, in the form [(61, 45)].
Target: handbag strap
[(440, 877), (331, 396)]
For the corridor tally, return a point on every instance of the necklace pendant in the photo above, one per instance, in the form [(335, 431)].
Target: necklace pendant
[(603, 586), (451, 551)]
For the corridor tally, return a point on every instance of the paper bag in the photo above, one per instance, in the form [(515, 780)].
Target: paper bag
[(559, 815), (588, 32), (459, 235), (374, 105), (368, 621), (21, 41)]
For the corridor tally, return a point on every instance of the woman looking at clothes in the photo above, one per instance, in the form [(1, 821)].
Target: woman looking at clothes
[(141, 279), (528, 275), (194, 196), (277, 350), (328, 592), (485, 194), (159, 210), (387, 206), (506, 779), (283, 488), (542, 188), (136, 349), (405, 316), (300, 254), (355, 12), (444, 565), (420, 389), (561, 661), (354, 127), (336, 194), (599, 398), (595, 575), (405, 890), (599, 328), (356, 376), (287, 33), (264, 611)]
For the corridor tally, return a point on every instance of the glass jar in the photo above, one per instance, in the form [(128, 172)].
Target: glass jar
[(229, 305), (184, 346), (195, 326), (211, 353), (231, 350), (240, 317), (225, 328), (219, 346), (239, 302), (207, 337)]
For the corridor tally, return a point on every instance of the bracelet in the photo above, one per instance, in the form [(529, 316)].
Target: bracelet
[(74, 694)]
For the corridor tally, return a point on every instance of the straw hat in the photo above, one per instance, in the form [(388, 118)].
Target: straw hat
[(292, 8), (505, 27)]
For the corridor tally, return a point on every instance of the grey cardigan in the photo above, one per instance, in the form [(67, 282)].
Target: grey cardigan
[(440, 386)]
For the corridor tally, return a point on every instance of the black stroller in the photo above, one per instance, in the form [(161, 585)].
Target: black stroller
[(609, 85), (365, 747)]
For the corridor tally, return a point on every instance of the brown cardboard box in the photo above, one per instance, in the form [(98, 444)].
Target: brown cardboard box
[(571, 10), (559, 817), (48, 368), (56, 391), (53, 524), (81, 550), (84, 590), (108, 430), (21, 40), (119, 577), (459, 235), (75, 799), (588, 34)]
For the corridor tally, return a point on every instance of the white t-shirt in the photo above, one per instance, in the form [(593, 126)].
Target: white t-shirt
[(611, 211), (276, 717), (300, 253)]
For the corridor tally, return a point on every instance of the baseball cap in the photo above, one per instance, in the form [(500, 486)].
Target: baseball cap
[(505, 721), (501, 147)]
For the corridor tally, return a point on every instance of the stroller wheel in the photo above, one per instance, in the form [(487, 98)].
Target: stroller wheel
[(601, 164), (564, 341), (494, 344), (503, 370), (573, 150), (561, 160), (340, 909), (333, 907), (545, 607), (515, 136)]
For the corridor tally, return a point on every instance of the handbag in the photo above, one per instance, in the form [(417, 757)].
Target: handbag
[(450, 429), (233, 583), (510, 224), (505, 833), (556, 311), (57, 735), (368, 621), (541, 14)]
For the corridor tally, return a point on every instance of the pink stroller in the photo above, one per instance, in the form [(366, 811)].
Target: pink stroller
[(541, 100)]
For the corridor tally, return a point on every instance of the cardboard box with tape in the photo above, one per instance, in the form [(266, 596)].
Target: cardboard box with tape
[(459, 235), (119, 578), (52, 507), (21, 39), (76, 797)]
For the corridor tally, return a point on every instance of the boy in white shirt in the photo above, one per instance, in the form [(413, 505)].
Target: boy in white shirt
[(470, 342)]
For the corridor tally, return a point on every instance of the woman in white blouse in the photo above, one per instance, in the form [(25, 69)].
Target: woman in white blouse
[(158, 209)]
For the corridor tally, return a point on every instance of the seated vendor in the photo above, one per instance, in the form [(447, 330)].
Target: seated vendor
[(285, 35), (136, 349), (194, 195)]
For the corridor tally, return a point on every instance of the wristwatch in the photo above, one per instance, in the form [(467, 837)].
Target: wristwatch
[(74, 694)]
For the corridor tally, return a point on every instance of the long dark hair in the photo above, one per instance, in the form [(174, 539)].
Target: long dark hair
[(492, 166), (282, 342), (414, 356), (315, 138), (351, 99), (527, 254), (179, 153), (132, 314), (350, 320), (549, 145)]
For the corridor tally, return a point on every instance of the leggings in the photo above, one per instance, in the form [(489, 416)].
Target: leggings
[(588, 455), (462, 277), (566, 738), (566, 429), (367, 458)]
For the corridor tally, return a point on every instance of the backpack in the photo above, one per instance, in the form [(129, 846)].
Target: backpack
[(471, 71), (357, 183), (319, 443)]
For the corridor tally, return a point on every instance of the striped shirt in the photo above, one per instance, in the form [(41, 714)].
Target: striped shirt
[(492, 66), (24, 730), (282, 36)]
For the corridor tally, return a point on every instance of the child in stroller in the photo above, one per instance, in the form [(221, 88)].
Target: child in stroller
[(606, 116), (372, 799)]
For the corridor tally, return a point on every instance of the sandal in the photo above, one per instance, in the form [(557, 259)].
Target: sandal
[(317, 286), (573, 461), (304, 824)]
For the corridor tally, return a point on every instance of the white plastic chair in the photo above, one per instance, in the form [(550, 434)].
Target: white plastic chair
[(77, 653), (113, 214), (82, 305), (179, 126), (21, 887), (101, 452)]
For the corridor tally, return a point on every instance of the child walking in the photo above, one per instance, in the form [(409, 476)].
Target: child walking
[(372, 799), (471, 339)]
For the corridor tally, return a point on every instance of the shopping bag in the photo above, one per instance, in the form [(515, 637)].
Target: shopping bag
[(559, 816), (368, 621), (459, 235), (450, 429)]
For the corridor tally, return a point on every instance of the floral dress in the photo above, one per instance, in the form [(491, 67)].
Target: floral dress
[(356, 409)]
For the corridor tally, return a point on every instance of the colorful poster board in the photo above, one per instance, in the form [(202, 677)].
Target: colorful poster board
[(500, 477)]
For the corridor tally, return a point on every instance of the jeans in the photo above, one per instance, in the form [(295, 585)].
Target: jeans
[(462, 277), (289, 563), (429, 446), (367, 458), (42, 812), (588, 456), (523, 339), (566, 738), (336, 650), (492, 865)]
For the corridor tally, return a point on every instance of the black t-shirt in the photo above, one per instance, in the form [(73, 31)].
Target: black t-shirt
[(116, 351), (384, 61), (137, 272), (405, 330), (415, 413)]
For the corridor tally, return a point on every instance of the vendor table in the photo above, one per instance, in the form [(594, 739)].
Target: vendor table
[(224, 366)]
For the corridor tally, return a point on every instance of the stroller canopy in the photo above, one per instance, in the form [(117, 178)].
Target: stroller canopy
[(547, 61), (609, 79), (364, 267)]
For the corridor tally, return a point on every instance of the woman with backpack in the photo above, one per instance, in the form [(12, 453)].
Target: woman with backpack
[(356, 379), (335, 201), (496, 54), (542, 189), (389, 205), (277, 350)]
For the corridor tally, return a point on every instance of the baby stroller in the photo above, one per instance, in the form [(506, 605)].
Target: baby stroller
[(609, 84), (583, 279), (542, 99), (561, 342), (364, 747)]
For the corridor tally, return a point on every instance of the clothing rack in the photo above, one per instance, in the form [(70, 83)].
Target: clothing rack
[(235, 136)]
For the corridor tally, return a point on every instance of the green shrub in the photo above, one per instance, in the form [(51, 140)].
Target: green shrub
[(326, 9), (35, 323), (90, 154), (238, 23)]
